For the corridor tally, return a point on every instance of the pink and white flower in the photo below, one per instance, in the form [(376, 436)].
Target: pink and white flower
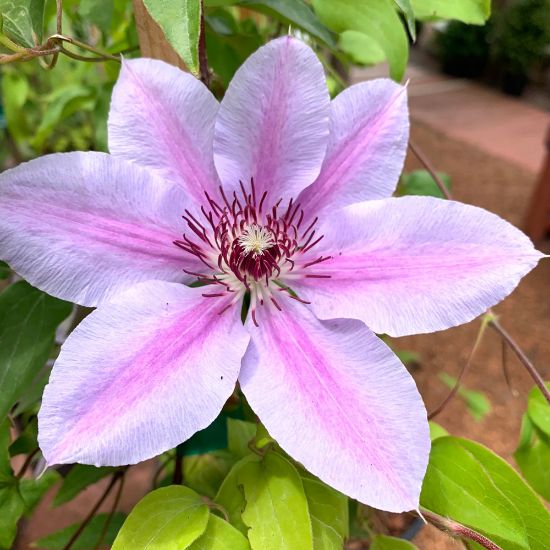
[(285, 201)]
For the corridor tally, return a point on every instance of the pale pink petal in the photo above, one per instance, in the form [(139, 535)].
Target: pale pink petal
[(338, 400), (84, 226), (163, 118), (140, 375), (273, 121), (416, 264), (369, 132)]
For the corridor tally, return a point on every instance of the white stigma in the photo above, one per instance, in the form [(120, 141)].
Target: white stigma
[(255, 239)]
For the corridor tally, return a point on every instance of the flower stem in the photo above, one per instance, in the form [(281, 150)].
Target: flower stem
[(429, 167), (203, 58), (539, 381), (26, 464), (111, 513), (458, 530), (115, 477), (177, 478)]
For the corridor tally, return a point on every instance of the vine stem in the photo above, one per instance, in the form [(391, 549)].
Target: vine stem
[(539, 381), (203, 58), (26, 464), (458, 530), (487, 318), (429, 167), (111, 512), (177, 478), (114, 479), (493, 323)]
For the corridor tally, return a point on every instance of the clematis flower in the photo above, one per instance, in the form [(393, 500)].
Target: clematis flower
[(276, 195)]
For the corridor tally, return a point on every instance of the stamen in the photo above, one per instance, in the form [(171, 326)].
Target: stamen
[(249, 248)]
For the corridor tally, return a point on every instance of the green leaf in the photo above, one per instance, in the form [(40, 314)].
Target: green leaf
[(97, 13), (239, 435), (23, 20), (436, 430), (296, 12), (170, 518), (205, 473), (5, 465), (329, 513), (538, 410), (11, 503), (180, 22), (375, 18), (420, 182), (89, 537), (382, 542), (15, 91), (231, 496), (220, 535), (32, 490), (4, 270), (477, 403), (406, 7), (475, 12), (28, 320), (468, 483), (276, 505), (79, 477), (12, 507), (533, 458), (361, 48), (62, 103)]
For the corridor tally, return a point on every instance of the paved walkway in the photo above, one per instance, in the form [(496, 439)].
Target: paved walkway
[(477, 115)]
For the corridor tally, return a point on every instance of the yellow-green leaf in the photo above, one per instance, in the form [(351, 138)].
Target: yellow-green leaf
[(377, 19), (171, 518), (220, 535), (276, 505), (180, 22)]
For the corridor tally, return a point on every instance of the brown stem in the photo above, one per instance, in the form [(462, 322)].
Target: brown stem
[(458, 530), (59, 16), (203, 58), (177, 478), (111, 512), (505, 368), (485, 321), (429, 167), (115, 477), (539, 381), (26, 464)]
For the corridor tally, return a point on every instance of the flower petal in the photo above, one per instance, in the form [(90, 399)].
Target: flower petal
[(338, 400), (84, 226), (416, 264), (140, 375), (369, 132), (273, 121), (163, 118)]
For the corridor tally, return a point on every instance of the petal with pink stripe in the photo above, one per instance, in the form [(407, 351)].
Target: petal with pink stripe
[(273, 121), (84, 226), (369, 132), (337, 399), (416, 264), (140, 375), (163, 118)]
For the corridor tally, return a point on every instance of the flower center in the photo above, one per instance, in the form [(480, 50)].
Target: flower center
[(256, 252), (248, 248), (256, 240)]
